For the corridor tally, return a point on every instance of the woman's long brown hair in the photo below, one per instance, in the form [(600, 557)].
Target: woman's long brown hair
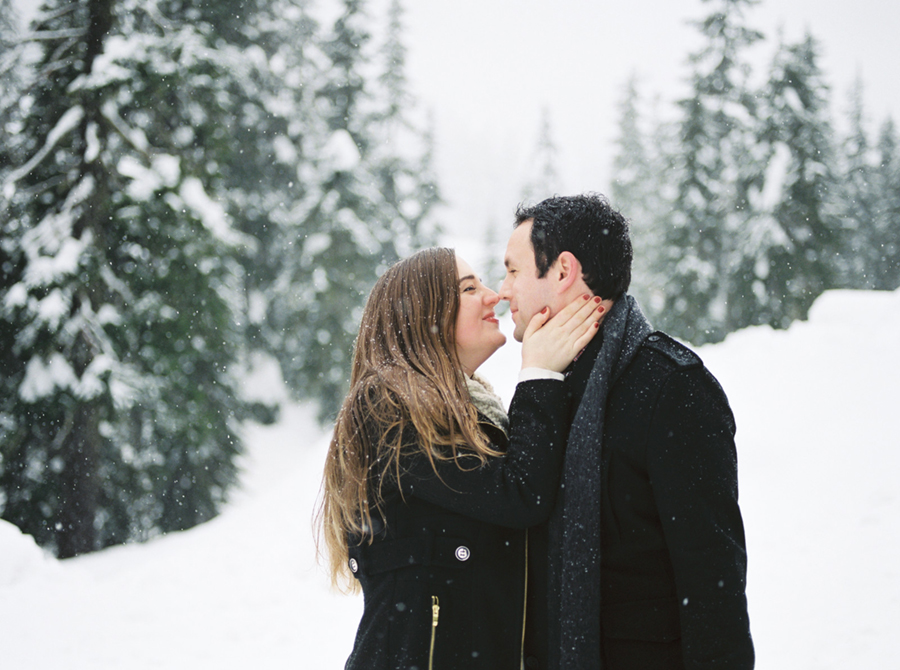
[(405, 372)]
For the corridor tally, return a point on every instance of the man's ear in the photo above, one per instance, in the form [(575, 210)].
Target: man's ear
[(568, 271)]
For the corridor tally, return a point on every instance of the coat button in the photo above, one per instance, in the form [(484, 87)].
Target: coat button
[(354, 566), (462, 553), (532, 663), (653, 338)]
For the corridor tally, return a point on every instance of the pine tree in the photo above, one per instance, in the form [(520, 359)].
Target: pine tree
[(402, 156), (885, 232), (858, 197), (543, 176), (490, 264), (124, 291), (368, 206), (13, 74), (794, 254), (716, 176), (642, 192)]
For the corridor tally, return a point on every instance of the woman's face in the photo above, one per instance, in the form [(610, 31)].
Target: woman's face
[(477, 328)]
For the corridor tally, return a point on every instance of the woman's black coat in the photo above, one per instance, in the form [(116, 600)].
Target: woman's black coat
[(457, 539)]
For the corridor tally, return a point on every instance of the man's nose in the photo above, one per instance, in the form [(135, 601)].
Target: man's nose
[(504, 291)]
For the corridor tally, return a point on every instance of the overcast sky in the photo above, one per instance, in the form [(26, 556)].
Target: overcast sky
[(486, 68)]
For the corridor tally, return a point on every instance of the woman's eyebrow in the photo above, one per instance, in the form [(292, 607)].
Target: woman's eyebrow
[(462, 279)]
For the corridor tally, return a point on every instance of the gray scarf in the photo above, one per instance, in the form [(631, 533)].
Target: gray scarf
[(487, 402), (575, 568)]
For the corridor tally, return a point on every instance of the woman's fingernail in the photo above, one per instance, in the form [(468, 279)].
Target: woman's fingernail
[(586, 296), (597, 299)]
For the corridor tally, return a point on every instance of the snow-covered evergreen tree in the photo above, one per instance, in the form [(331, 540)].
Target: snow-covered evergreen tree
[(859, 200), (124, 289), (885, 231), (642, 191), (490, 261), (795, 251), (13, 74), (402, 152), (369, 205), (263, 171), (717, 173), (542, 177)]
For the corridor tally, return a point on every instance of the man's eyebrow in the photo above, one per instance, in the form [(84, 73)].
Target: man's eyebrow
[(462, 279)]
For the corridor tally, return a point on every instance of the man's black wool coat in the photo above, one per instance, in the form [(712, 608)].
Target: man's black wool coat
[(673, 556)]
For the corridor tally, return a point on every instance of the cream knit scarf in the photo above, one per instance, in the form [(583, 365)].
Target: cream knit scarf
[(487, 401)]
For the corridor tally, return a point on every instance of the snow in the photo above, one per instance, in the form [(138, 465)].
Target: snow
[(342, 151), (21, 559), (211, 213), (819, 467), (146, 181), (67, 122), (285, 151), (776, 177), (60, 260), (53, 308), (43, 377)]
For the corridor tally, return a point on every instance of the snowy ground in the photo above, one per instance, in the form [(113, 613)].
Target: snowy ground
[(819, 467)]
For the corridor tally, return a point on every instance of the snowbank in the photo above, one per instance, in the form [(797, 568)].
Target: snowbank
[(21, 560)]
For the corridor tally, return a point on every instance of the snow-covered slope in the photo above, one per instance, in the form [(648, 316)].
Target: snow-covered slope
[(819, 452)]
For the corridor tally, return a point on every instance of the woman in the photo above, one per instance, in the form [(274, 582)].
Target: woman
[(428, 489)]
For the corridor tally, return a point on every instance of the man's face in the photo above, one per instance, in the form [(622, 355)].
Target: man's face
[(527, 295)]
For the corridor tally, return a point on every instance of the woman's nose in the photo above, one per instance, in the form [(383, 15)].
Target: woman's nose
[(491, 298)]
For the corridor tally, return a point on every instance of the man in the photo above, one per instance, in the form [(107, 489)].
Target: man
[(643, 563)]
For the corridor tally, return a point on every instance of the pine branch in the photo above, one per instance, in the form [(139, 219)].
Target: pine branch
[(49, 35)]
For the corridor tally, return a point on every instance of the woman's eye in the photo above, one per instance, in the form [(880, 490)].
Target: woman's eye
[(468, 288)]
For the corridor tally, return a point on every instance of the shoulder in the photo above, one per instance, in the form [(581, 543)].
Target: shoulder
[(670, 352), (683, 378), (663, 362)]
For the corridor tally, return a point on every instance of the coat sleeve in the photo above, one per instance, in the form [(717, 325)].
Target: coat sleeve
[(692, 464), (515, 490)]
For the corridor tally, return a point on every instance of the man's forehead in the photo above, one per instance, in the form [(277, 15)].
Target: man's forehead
[(519, 248)]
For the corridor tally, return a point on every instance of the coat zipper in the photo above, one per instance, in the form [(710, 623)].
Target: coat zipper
[(524, 605), (435, 611)]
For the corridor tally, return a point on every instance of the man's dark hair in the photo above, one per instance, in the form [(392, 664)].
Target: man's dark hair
[(589, 228)]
